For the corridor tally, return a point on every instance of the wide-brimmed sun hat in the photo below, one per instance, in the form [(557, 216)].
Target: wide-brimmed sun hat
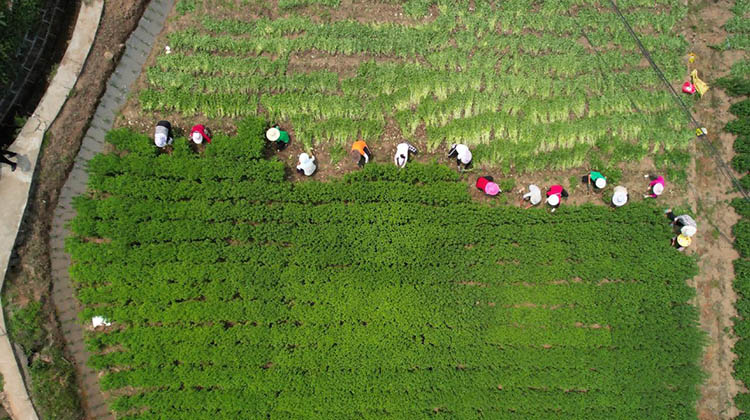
[(553, 200), (688, 230), (600, 183), (273, 134), (197, 138), (619, 198), (658, 188), (491, 188)]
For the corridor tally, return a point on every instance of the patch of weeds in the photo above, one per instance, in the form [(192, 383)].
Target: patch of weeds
[(337, 153), (507, 184), (53, 386), (26, 328)]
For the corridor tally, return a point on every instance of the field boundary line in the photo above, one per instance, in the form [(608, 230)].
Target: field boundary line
[(137, 49)]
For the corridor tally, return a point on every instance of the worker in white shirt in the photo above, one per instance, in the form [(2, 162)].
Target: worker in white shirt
[(306, 164), (163, 134), (533, 197), (620, 196), (462, 154), (402, 154), (687, 224)]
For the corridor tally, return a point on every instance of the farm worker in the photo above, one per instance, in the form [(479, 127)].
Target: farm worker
[(163, 134), (462, 154), (487, 185), (687, 224), (656, 186), (681, 242), (402, 154), (361, 153), (700, 85), (620, 197), (306, 164), (278, 135), (555, 193), (4, 159), (534, 196), (199, 133), (688, 88), (595, 178)]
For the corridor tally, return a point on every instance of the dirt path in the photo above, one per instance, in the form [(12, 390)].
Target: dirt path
[(708, 194)]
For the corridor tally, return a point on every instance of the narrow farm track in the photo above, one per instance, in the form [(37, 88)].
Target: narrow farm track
[(118, 87)]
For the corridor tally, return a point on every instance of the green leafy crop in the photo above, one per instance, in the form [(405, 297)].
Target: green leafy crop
[(387, 293)]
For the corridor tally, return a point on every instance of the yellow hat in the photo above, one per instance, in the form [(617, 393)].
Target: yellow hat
[(684, 240)]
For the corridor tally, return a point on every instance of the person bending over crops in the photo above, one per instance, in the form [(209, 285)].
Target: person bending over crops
[(596, 179), (620, 197), (555, 194), (687, 224), (533, 197), (681, 242), (199, 133), (487, 185), (279, 136), (361, 153), (163, 134), (656, 186), (402, 154), (306, 164), (462, 154)]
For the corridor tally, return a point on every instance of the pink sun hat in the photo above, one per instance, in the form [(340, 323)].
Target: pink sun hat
[(491, 188)]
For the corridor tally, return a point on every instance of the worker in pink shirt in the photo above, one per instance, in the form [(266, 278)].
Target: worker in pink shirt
[(555, 194), (656, 186)]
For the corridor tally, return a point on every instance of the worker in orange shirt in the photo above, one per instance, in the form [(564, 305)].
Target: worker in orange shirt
[(361, 153)]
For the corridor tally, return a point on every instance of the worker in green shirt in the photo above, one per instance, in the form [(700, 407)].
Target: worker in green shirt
[(279, 136), (596, 179)]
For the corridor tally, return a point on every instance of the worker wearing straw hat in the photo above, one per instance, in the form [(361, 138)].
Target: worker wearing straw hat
[(279, 136), (620, 196), (595, 178), (555, 194), (487, 185), (681, 242), (361, 153), (656, 186), (687, 224)]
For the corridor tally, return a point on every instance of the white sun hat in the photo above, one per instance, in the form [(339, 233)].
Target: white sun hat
[(600, 183), (619, 198), (273, 134), (303, 157), (658, 188), (553, 200), (688, 230), (197, 138)]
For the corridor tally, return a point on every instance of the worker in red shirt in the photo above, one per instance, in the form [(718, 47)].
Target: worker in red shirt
[(200, 133), (487, 185), (555, 194)]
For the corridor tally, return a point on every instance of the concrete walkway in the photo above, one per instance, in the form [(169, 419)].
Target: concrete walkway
[(15, 186), (128, 69)]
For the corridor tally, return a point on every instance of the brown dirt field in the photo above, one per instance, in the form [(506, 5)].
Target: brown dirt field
[(29, 276), (708, 193)]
